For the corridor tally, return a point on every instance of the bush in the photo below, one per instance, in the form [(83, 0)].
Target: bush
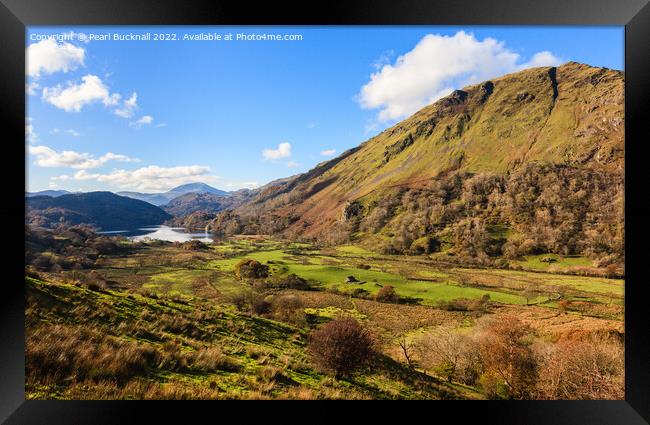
[(252, 301), (450, 354), (252, 269), (194, 245), (586, 369), (359, 293), (387, 294), (505, 347), (341, 346), (464, 304), (288, 308), (425, 245), (291, 281)]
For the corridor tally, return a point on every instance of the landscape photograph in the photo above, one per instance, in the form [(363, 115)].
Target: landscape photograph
[(320, 213)]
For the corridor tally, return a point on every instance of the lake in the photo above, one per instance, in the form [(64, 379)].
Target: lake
[(164, 233)]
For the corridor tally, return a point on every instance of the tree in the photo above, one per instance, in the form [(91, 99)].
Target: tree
[(445, 351), (387, 294), (591, 368), (529, 294), (248, 268), (506, 354), (341, 346), (408, 348)]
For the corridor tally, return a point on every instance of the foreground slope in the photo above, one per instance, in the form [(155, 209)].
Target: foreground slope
[(111, 344)]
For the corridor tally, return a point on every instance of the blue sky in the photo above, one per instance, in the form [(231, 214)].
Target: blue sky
[(242, 113)]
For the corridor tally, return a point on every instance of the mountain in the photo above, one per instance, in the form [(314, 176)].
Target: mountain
[(157, 199), (52, 193), (163, 198), (192, 202), (540, 146), (196, 188), (104, 210)]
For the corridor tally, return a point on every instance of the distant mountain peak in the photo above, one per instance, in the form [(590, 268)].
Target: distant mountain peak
[(163, 198), (197, 187)]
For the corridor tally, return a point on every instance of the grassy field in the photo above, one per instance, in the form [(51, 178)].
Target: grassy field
[(162, 296), (211, 273), (427, 284)]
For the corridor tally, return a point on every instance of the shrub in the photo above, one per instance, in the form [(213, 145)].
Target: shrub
[(252, 301), (359, 293), (194, 245), (387, 294), (505, 347), (341, 346), (291, 281), (586, 369), (252, 269), (451, 354), (464, 304), (425, 245), (288, 308)]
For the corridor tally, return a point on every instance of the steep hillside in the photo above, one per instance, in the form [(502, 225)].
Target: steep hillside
[(92, 343), (544, 126), (104, 210)]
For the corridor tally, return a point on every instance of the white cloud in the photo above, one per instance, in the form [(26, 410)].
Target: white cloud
[(70, 131), (384, 58), (128, 107), (48, 157), (239, 185), (49, 56), (144, 120), (283, 151), (437, 65), (292, 164), (31, 88), (76, 96), (61, 177), (311, 125), (162, 124), (328, 152), (151, 178), (544, 58), (30, 134)]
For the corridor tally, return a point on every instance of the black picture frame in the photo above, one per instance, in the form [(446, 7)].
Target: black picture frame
[(15, 15)]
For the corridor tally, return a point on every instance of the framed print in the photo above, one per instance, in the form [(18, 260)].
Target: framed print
[(380, 201)]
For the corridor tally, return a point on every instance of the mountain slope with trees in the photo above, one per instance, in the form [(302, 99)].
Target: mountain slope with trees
[(530, 162), (103, 210)]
